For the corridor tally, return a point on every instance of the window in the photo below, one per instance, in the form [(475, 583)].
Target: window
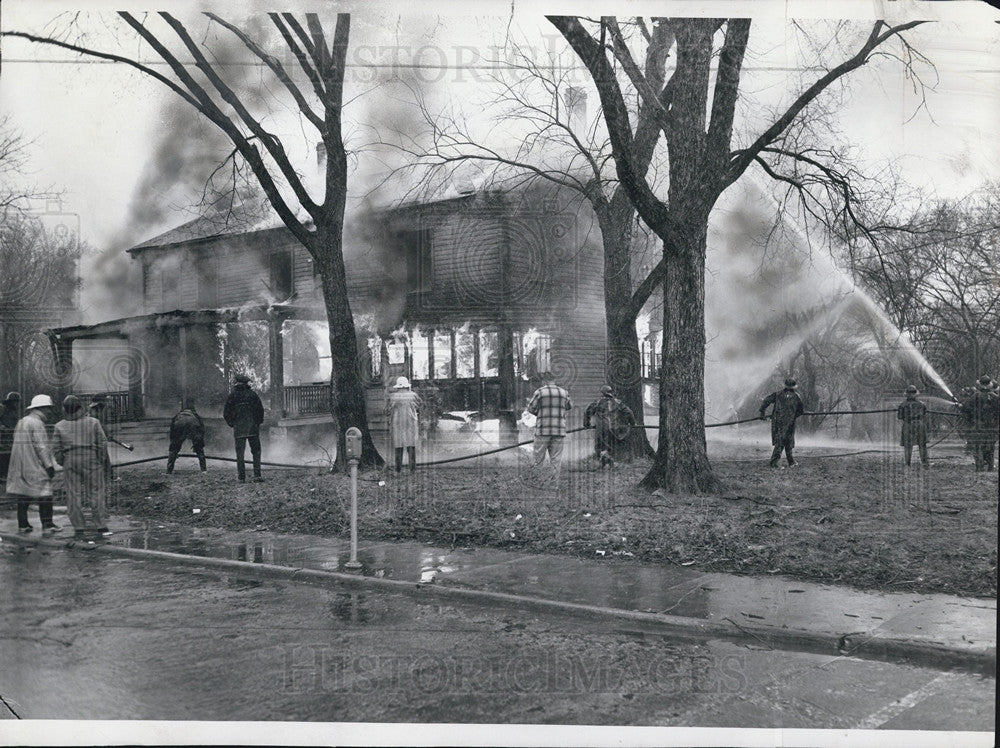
[(465, 354), (489, 353), (535, 349), (170, 297), (650, 360), (419, 260), (281, 274), (442, 354), (208, 282), (375, 356), (420, 343)]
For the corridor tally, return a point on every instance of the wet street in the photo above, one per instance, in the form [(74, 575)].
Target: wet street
[(87, 636)]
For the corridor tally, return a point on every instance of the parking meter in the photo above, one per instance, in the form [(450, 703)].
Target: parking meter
[(353, 448)]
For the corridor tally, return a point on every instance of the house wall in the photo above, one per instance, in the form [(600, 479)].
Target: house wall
[(222, 272), (532, 261), (528, 260)]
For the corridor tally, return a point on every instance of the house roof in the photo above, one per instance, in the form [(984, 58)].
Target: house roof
[(241, 219), (118, 328), (251, 217)]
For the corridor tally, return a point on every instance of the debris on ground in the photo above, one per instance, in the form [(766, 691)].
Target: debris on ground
[(834, 521)]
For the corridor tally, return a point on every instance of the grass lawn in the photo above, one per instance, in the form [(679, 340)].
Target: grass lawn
[(861, 520)]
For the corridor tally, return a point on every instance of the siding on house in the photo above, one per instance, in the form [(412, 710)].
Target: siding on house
[(528, 260)]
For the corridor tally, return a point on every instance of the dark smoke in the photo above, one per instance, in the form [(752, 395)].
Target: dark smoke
[(175, 185)]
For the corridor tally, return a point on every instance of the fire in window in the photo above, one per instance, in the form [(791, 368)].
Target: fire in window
[(536, 353), (489, 353), (375, 354), (421, 358), (465, 354)]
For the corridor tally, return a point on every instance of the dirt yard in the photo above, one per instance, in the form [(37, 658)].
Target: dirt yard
[(860, 520)]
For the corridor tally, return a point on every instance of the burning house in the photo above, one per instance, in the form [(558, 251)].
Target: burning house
[(472, 297)]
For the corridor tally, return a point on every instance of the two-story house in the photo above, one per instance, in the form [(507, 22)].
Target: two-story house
[(475, 295)]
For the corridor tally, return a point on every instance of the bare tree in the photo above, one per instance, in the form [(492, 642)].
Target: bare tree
[(319, 55), (562, 147), (38, 284), (697, 124), (939, 282), (13, 159)]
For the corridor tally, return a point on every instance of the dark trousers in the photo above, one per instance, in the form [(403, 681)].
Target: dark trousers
[(786, 445), (199, 449), (44, 509), (241, 446), (411, 453), (4, 465), (921, 447), (982, 452)]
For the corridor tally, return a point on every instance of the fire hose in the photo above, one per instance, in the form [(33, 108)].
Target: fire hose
[(571, 431)]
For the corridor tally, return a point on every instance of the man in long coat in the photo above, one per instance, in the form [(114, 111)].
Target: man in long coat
[(81, 447), (787, 407), (32, 468), (913, 414), (9, 416), (403, 407), (612, 421), (244, 412)]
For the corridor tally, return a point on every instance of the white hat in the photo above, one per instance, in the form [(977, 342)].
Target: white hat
[(40, 401), (402, 383)]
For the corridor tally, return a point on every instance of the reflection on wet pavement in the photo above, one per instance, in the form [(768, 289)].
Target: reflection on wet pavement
[(408, 561), (91, 636), (610, 582)]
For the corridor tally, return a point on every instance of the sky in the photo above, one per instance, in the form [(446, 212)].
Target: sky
[(93, 123), (103, 133)]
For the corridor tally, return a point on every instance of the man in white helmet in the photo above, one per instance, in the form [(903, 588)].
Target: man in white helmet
[(29, 477)]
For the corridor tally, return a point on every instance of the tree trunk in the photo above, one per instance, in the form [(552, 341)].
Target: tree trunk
[(347, 391), (623, 365), (681, 464), (623, 362)]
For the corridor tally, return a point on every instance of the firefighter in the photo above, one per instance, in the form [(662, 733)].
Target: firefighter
[(244, 413), (913, 414), (787, 407), (612, 421), (982, 414), (187, 424)]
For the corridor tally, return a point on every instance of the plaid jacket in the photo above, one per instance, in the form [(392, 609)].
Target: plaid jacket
[(550, 403)]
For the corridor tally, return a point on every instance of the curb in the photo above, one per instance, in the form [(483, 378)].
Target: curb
[(854, 644)]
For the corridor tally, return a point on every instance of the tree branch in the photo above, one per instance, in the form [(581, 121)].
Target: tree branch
[(276, 67), (741, 159), (300, 55), (271, 143)]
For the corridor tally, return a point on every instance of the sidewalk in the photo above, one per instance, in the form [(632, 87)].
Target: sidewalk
[(760, 611)]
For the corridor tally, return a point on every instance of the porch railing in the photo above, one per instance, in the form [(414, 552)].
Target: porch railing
[(307, 400), (117, 404)]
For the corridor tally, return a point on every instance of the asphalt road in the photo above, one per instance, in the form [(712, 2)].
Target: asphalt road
[(87, 636)]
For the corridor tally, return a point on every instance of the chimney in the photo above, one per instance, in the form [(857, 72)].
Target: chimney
[(321, 158), (576, 106)]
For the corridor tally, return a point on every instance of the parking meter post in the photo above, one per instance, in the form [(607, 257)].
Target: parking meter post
[(353, 453), (354, 563)]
